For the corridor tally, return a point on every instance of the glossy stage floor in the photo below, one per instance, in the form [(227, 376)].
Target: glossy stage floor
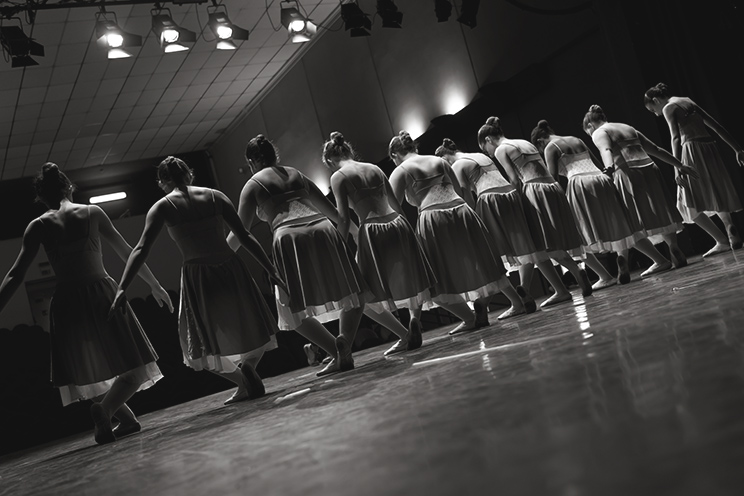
[(637, 390)]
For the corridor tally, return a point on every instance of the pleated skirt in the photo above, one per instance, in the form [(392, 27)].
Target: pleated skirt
[(511, 233), (601, 218), (551, 219), (89, 350), (322, 276), (713, 191), (648, 203), (223, 317), (458, 247), (393, 264)]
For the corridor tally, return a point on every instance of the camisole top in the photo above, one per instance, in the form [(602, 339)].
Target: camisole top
[(78, 260), (432, 190), (628, 152), (199, 235), (368, 197), (486, 176), (529, 165), (287, 204), (691, 124), (574, 164)]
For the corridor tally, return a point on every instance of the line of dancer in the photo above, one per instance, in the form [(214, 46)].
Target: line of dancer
[(474, 222)]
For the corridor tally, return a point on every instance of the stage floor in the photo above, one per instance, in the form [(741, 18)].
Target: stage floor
[(637, 390)]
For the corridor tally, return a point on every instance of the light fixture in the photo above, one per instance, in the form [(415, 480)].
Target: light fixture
[(110, 36), (224, 30), (120, 195), (443, 10), (18, 46), (469, 12), (299, 27), (388, 11), (170, 35), (355, 21)]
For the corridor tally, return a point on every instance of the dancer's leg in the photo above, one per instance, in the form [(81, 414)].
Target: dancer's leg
[(122, 389), (348, 324), (660, 262), (733, 233), (525, 275), (517, 305), (605, 279), (678, 258), (722, 243), (561, 293), (563, 258), (388, 320)]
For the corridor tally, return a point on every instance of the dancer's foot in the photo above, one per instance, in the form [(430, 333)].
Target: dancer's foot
[(126, 429), (312, 355), (463, 327), (102, 433), (399, 347), (527, 300), (555, 299), (604, 284), (623, 273), (239, 395), (481, 315), (415, 339), (734, 239), (253, 384), (679, 259), (584, 283), (718, 248), (331, 368), (656, 268), (511, 312)]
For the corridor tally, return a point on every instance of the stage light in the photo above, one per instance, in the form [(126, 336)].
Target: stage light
[(107, 198), (19, 47), (299, 27), (110, 36), (170, 36), (224, 30), (443, 10), (469, 12), (389, 13), (355, 21)]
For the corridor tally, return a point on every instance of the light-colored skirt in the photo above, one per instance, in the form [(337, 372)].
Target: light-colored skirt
[(223, 317), (647, 200), (551, 219), (713, 191), (89, 350), (504, 215), (457, 245), (601, 218), (393, 264), (322, 276)]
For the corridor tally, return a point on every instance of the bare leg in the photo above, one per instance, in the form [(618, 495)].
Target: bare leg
[(461, 311), (722, 243), (561, 293), (678, 258), (313, 331), (517, 306), (480, 306), (647, 248), (525, 275), (579, 274), (733, 233), (388, 320), (348, 324), (122, 389), (605, 279)]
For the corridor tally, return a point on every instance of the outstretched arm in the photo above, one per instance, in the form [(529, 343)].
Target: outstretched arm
[(724, 134), (657, 152), (29, 248)]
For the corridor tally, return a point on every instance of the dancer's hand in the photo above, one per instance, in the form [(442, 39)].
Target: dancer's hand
[(689, 171), (276, 278), (608, 171), (679, 178), (740, 157), (119, 303), (162, 296)]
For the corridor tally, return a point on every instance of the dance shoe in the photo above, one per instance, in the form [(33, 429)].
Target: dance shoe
[(527, 300), (343, 361), (511, 312), (312, 356), (623, 273), (604, 284), (462, 328), (718, 248), (102, 433), (678, 258), (584, 283), (253, 383), (399, 347), (481, 315), (555, 299), (656, 268), (127, 429), (415, 339)]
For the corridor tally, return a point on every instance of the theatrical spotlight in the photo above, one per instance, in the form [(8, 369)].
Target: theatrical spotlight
[(443, 10), (110, 36), (224, 30), (355, 21), (469, 12), (19, 46), (170, 35), (388, 11), (299, 27)]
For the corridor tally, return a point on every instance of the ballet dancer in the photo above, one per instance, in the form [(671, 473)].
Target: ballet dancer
[(92, 357), (548, 214), (224, 323), (713, 192), (625, 154), (452, 235), (323, 280), (389, 255), (603, 221)]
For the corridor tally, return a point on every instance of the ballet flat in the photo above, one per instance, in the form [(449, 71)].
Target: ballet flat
[(415, 339), (102, 433), (527, 300), (127, 429)]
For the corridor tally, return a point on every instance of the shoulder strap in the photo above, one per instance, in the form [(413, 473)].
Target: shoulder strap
[(555, 143)]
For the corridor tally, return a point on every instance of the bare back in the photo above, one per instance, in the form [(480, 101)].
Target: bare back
[(366, 188)]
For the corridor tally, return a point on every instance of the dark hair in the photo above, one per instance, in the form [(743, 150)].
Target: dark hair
[(174, 169), (661, 90), (492, 127), (262, 152), (403, 143), (541, 131), (448, 147), (594, 115), (337, 148), (52, 185)]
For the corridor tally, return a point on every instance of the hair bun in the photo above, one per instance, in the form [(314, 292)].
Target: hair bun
[(493, 121), (260, 138), (596, 108), (50, 168), (662, 87), (449, 144), (337, 138), (543, 124), (405, 138)]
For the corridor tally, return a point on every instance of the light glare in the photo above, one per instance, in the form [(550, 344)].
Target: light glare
[(296, 26), (174, 48), (114, 40), (224, 32), (169, 36), (118, 53), (109, 197)]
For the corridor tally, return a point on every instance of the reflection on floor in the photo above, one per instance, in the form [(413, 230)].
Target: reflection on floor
[(636, 390)]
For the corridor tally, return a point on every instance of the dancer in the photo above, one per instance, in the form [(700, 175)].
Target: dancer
[(389, 255), (223, 319), (602, 219), (92, 357), (625, 154), (324, 282), (453, 237), (713, 192), (548, 213)]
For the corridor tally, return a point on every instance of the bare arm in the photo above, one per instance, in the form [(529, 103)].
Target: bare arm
[(453, 179), (596, 161), (338, 185), (246, 212), (552, 156), (398, 184), (392, 200), (604, 144), (29, 248), (506, 162), (724, 134), (459, 168), (325, 207), (671, 118), (657, 152)]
